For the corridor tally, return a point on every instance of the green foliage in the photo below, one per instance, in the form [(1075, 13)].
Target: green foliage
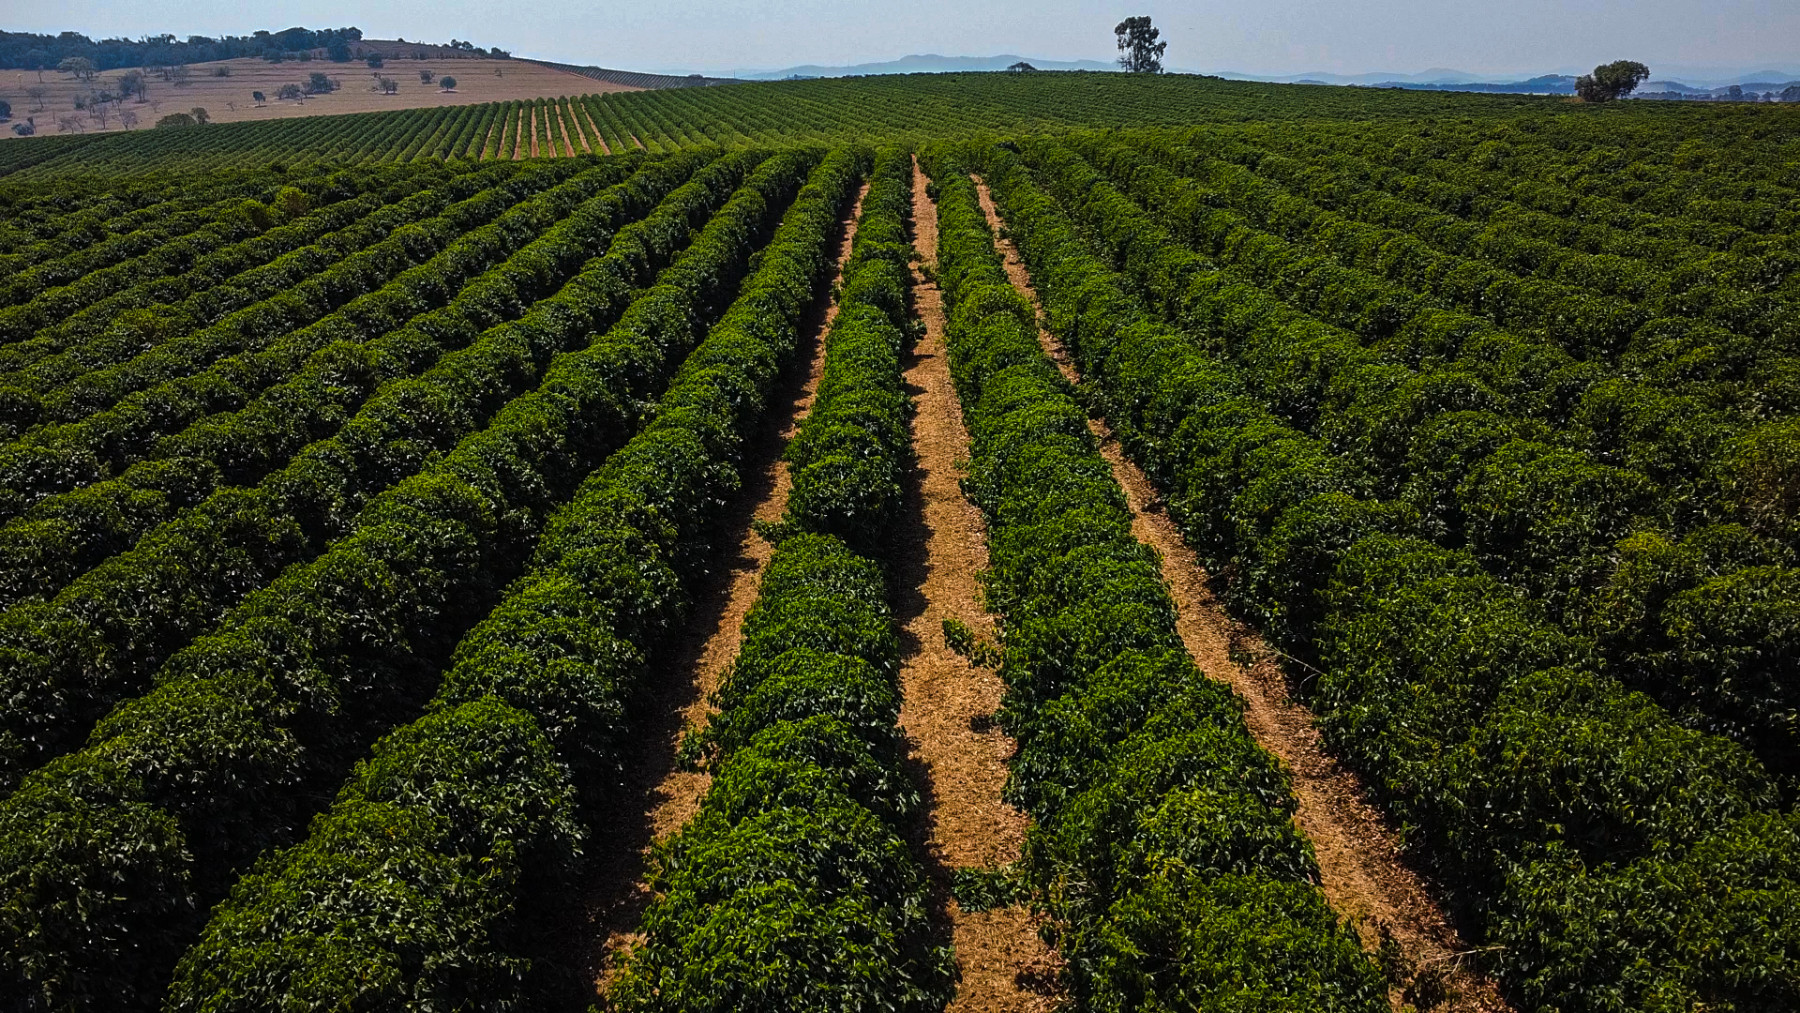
[(558, 657), (1611, 81), (792, 889), (1146, 790), (854, 446), (985, 889), (1552, 797), (369, 621)]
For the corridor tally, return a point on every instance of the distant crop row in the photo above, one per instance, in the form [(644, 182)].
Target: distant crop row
[(810, 111)]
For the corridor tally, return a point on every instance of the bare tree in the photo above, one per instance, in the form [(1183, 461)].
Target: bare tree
[(128, 118), (101, 114), (179, 74), (132, 82), (36, 94), (70, 125)]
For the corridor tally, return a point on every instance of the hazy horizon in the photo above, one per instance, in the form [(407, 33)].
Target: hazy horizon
[(1279, 38)]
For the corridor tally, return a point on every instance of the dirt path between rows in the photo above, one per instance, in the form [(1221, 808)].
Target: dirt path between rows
[(593, 129), (656, 797), (946, 703), (1361, 870)]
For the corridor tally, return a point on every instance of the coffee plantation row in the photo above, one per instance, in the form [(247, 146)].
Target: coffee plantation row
[(826, 111), (357, 476)]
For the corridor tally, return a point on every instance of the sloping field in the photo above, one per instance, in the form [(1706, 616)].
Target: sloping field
[(783, 112), (934, 543), (226, 89)]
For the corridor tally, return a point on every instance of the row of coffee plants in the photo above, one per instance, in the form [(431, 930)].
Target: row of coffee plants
[(106, 416), (1503, 448), (112, 252), (1527, 162), (74, 382), (1612, 858), (794, 887), (179, 789), (237, 239), (1626, 262), (63, 535), (1163, 839), (1566, 296), (786, 111), (192, 297), (448, 859), (128, 321), (100, 639), (847, 461)]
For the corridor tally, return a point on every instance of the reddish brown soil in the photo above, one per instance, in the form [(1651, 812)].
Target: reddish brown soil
[(654, 786), (947, 703), (1363, 874)]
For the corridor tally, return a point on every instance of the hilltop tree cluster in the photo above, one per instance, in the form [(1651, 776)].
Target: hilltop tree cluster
[(29, 51)]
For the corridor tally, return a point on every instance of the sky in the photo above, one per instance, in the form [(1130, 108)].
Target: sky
[(1273, 37)]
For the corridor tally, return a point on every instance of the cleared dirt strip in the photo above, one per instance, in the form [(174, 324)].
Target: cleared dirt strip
[(1360, 867), (656, 796), (946, 703)]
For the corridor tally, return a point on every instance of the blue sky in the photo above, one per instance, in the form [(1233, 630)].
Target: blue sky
[(1262, 37)]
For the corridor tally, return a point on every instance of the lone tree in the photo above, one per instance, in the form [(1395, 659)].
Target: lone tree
[(1137, 41), (1021, 68), (80, 67), (447, 83), (1611, 80)]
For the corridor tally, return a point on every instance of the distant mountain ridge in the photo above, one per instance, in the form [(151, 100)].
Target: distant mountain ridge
[(926, 63), (1706, 80), (1555, 83)]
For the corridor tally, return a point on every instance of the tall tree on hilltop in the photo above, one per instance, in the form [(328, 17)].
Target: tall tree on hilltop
[(1611, 80), (1141, 53)]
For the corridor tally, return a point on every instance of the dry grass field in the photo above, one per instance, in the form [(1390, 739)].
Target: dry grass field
[(227, 97)]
